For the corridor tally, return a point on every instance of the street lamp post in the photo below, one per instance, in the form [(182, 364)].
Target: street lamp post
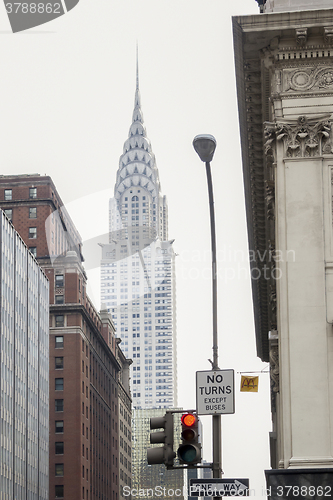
[(205, 145)]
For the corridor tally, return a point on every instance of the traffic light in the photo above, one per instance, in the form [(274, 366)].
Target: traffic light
[(189, 452), (163, 454)]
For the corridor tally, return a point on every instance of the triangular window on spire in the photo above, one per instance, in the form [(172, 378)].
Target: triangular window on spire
[(136, 156), (136, 170)]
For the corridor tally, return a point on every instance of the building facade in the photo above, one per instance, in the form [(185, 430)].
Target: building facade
[(84, 353), (24, 398), (285, 85), (125, 421), (137, 271)]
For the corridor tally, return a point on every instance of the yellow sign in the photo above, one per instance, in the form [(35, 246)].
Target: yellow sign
[(249, 384)]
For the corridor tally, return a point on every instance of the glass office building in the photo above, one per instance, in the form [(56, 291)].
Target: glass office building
[(24, 428), (155, 480)]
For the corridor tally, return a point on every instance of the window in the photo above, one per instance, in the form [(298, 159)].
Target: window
[(33, 233), (8, 194), (59, 320), (33, 213), (59, 299), (32, 192), (59, 426), (59, 341), (59, 405), (59, 280), (59, 491), (9, 213), (59, 363), (33, 251), (59, 384), (59, 470), (59, 448)]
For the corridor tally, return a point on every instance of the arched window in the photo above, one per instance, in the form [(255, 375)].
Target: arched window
[(135, 198)]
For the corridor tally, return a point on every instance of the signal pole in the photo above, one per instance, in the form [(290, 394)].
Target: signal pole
[(205, 146)]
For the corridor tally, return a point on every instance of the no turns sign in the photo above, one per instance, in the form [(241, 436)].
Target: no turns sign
[(215, 392)]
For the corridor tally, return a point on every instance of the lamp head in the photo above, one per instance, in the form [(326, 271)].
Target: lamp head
[(205, 145)]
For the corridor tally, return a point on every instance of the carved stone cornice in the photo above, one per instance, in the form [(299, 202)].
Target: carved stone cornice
[(302, 138), (306, 78)]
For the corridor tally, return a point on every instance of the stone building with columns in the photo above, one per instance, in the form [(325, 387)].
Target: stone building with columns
[(284, 72)]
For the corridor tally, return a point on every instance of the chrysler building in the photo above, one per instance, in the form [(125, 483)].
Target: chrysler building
[(137, 271)]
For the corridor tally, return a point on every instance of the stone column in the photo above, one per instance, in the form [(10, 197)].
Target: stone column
[(304, 332)]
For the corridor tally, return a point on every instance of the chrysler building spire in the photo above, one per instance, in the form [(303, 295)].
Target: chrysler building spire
[(137, 67), (137, 169)]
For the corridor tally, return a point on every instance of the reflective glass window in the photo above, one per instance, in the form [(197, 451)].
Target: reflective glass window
[(59, 448), (59, 405), (59, 470), (59, 280), (59, 341), (59, 426), (59, 491), (33, 233), (59, 384), (59, 363), (59, 299), (59, 320), (8, 194), (33, 213), (32, 192)]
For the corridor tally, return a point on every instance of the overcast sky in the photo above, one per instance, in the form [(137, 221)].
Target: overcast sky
[(67, 92)]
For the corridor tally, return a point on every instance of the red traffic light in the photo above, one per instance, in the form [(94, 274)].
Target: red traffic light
[(189, 452), (188, 419)]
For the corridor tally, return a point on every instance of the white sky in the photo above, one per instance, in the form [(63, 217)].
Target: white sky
[(67, 92)]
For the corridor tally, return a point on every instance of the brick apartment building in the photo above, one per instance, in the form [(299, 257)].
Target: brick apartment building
[(88, 372)]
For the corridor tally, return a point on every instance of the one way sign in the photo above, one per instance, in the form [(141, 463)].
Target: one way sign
[(218, 487)]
